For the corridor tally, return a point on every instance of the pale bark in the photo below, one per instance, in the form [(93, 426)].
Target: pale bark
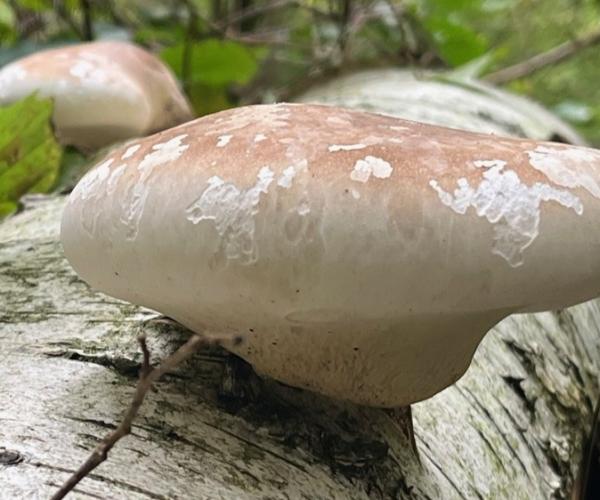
[(445, 99), (513, 427)]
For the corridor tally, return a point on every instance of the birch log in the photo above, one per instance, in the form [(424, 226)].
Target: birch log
[(513, 427), (443, 99)]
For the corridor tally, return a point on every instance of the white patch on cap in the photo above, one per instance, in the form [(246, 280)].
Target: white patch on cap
[(568, 166), (303, 208), (345, 147), (88, 186), (86, 70), (163, 153), (232, 211), (223, 140), (131, 150), (355, 194), (88, 190), (361, 172), (371, 165), (259, 137), (286, 178), (11, 76), (513, 207), (135, 197), (335, 120), (266, 117), (111, 184)]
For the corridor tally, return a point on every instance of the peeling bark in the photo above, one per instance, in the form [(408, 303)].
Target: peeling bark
[(513, 427)]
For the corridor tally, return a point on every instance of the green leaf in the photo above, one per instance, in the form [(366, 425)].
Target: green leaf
[(453, 9), (457, 44), (35, 5), (574, 111), (207, 99), (7, 15), (161, 34), (30, 156), (212, 62), (7, 22)]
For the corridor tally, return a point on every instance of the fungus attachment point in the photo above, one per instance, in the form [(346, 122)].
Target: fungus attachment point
[(103, 92), (369, 273)]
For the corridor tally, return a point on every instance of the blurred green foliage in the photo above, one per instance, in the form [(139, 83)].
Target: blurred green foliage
[(30, 157), (520, 29), (208, 68), (233, 52)]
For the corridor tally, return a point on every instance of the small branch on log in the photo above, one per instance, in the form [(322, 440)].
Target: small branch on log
[(148, 375), (548, 58)]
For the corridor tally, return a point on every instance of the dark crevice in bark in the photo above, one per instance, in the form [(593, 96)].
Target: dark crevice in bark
[(499, 430), (441, 469), (515, 385), (490, 447), (521, 432), (123, 366)]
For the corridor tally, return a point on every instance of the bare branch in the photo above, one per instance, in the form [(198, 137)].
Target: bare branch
[(86, 14), (148, 375), (256, 11), (548, 58), (63, 13)]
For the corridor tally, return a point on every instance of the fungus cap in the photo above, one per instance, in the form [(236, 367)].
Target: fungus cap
[(362, 256), (103, 91)]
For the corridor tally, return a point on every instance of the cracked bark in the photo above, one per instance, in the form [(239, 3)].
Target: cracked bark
[(513, 427)]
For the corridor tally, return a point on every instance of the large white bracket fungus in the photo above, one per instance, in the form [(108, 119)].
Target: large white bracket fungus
[(363, 256), (103, 91)]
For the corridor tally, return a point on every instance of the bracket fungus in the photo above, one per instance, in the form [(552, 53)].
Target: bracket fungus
[(103, 91), (361, 256)]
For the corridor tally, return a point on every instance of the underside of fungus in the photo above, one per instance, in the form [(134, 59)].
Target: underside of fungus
[(361, 256)]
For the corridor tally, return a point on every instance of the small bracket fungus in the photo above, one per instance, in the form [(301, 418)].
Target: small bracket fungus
[(103, 91), (361, 256)]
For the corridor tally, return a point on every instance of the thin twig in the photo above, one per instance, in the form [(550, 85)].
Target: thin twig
[(548, 58), (148, 375), (63, 13), (188, 46), (256, 10), (86, 13), (28, 22), (344, 30)]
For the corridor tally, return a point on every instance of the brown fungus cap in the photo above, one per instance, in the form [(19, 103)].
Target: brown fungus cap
[(363, 257), (103, 91)]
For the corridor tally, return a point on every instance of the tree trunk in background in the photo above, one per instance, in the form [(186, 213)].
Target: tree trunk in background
[(513, 427)]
